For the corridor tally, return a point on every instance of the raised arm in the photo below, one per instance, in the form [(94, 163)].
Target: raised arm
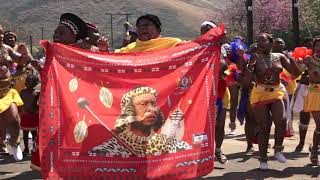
[(22, 57), (291, 65)]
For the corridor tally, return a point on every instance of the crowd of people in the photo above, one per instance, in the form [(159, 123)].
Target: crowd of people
[(265, 77)]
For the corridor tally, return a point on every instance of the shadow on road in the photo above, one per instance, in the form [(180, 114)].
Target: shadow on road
[(26, 175), (235, 137), (258, 174), (8, 159), (244, 157)]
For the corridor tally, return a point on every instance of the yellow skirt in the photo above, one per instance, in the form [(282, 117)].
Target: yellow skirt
[(261, 95), (11, 97), (226, 99), (291, 87), (312, 100)]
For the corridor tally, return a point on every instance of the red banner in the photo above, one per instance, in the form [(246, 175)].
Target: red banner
[(129, 116)]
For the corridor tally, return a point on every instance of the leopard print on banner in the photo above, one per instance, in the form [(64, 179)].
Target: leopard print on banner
[(154, 144)]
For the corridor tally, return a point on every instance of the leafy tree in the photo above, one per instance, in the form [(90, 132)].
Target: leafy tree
[(269, 16), (310, 16)]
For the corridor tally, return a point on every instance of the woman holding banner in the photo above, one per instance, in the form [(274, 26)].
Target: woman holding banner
[(149, 36), (69, 31), (223, 99)]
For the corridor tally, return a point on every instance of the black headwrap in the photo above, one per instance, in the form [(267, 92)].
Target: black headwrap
[(11, 33), (76, 25), (92, 26), (153, 18)]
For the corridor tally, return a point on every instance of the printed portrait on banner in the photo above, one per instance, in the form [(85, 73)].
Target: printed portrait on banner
[(137, 126)]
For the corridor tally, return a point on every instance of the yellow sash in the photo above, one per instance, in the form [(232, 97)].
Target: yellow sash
[(151, 45), (292, 85)]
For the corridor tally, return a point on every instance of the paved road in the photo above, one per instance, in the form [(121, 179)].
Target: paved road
[(241, 166), (238, 167)]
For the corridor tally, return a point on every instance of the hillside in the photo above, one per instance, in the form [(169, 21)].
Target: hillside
[(180, 18)]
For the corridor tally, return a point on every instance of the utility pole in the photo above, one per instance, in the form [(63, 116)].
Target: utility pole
[(42, 33), (31, 45), (295, 23), (111, 23), (111, 26), (249, 21)]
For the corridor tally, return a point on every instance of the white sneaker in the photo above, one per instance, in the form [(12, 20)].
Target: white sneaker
[(280, 157), (16, 152), (29, 135), (4, 151), (232, 132), (263, 166)]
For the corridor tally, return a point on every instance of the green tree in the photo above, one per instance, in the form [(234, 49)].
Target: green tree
[(310, 16)]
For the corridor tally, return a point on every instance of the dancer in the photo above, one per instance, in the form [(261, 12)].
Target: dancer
[(267, 95), (311, 101), (304, 116)]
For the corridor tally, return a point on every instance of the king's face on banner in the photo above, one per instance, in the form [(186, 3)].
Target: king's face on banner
[(145, 107), (141, 112), (136, 126)]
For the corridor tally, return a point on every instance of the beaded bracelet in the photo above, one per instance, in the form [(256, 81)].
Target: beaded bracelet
[(250, 67)]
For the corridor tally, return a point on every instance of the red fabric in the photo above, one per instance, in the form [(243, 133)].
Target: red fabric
[(230, 77), (301, 52), (29, 121), (288, 133), (35, 158), (222, 87), (255, 140), (286, 78), (185, 77)]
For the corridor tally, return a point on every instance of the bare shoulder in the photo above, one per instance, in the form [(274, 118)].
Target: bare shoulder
[(279, 55)]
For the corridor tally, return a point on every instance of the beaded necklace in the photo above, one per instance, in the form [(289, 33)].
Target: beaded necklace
[(268, 62)]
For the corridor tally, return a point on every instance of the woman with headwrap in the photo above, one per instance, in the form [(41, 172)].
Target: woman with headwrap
[(69, 31), (10, 39), (223, 99), (148, 36)]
